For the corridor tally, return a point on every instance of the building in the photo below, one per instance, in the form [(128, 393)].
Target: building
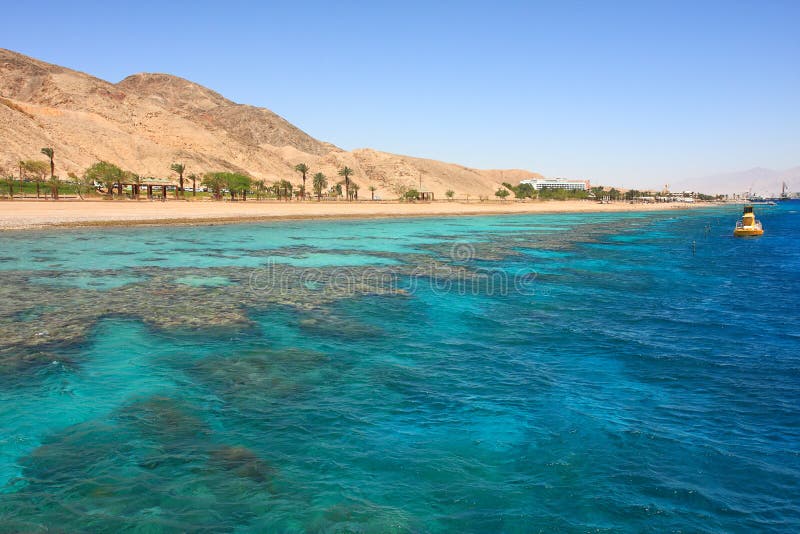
[(557, 183)]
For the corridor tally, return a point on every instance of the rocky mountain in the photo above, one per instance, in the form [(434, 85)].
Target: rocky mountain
[(148, 121)]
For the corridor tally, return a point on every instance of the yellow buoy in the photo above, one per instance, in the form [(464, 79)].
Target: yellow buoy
[(748, 226)]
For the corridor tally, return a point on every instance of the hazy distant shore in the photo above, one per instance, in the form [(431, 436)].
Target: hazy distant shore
[(17, 215)]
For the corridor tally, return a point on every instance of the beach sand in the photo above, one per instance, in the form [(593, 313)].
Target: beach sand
[(21, 214)]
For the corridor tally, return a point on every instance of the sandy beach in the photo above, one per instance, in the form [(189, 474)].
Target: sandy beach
[(71, 213)]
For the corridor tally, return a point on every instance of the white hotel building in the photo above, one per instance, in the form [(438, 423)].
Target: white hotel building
[(557, 183)]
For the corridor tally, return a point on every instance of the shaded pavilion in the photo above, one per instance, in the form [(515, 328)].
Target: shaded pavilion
[(149, 183)]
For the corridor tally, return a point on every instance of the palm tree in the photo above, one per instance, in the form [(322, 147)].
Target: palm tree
[(179, 168), (260, 186), (346, 172), (49, 152), (302, 168), (9, 180), (320, 183), (38, 169), (372, 190), (22, 174), (193, 178), (286, 189), (245, 183), (54, 182), (214, 181)]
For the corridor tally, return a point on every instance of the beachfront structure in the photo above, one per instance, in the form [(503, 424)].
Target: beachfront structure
[(557, 183)]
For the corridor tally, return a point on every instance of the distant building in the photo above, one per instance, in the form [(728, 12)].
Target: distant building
[(557, 183)]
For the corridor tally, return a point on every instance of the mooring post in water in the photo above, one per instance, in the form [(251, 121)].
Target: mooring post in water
[(694, 247)]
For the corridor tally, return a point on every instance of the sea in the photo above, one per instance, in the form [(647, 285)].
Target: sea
[(592, 372)]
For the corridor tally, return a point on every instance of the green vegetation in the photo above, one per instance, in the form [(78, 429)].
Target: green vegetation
[(135, 180), (34, 170), (709, 198), (235, 183), (410, 195), (214, 181), (53, 183), (104, 177), (260, 188), (238, 184), (282, 189), (104, 173), (346, 172), (320, 182), (8, 181), (562, 194), (522, 191), (50, 153), (302, 168), (10, 185), (193, 178), (179, 168)]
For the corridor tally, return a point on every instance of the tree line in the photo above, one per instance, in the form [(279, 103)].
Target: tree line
[(110, 179), (36, 171)]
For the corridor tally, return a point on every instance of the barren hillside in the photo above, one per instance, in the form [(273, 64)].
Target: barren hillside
[(148, 121)]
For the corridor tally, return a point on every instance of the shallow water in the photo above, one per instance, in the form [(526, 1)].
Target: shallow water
[(509, 373)]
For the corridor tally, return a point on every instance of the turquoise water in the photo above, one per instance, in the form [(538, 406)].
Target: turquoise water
[(588, 372)]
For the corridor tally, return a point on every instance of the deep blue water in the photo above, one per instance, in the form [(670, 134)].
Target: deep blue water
[(591, 372)]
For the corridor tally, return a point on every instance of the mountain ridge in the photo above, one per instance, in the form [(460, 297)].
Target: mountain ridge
[(147, 121), (756, 180)]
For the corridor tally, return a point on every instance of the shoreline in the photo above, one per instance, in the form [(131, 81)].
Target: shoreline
[(49, 214)]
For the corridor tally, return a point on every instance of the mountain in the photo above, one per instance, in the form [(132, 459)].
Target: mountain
[(758, 181), (148, 121)]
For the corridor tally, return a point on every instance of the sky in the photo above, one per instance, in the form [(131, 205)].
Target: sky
[(627, 93)]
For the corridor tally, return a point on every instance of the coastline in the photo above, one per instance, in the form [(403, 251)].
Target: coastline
[(42, 214)]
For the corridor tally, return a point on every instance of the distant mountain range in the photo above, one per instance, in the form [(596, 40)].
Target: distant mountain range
[(148, 121), (758, 181)]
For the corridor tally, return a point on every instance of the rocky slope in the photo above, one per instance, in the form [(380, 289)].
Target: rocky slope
[(148, 121)]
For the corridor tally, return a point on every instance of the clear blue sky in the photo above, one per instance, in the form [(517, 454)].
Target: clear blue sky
[(619, 92)]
